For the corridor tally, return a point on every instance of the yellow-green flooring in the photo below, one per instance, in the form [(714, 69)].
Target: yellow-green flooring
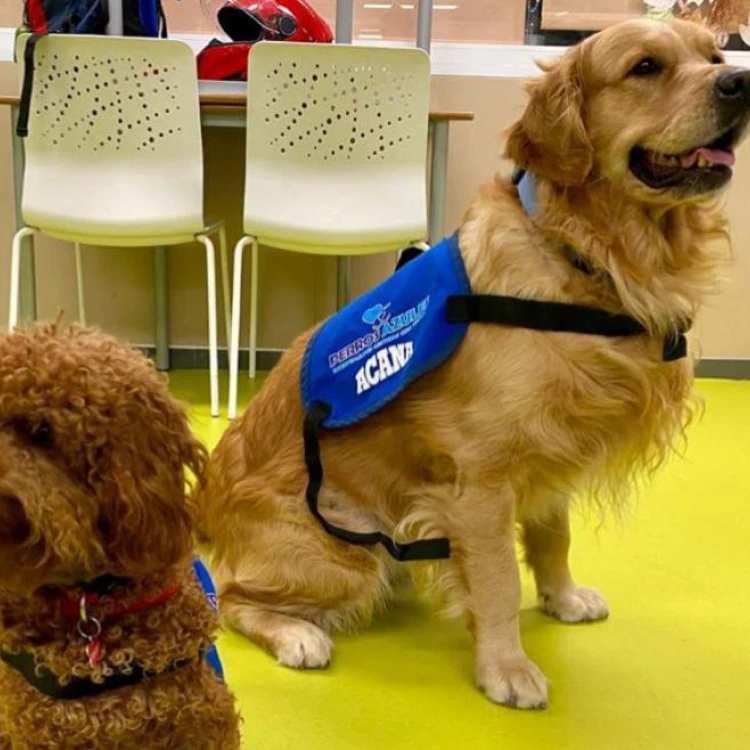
[(670, 669)]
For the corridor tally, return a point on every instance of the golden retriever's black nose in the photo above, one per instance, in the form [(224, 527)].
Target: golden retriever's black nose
[(734, 85)]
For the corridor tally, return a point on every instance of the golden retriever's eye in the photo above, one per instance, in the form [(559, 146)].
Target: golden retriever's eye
[(649, 66), (717, 60)]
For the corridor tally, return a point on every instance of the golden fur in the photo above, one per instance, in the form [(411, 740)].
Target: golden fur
[(93, 452), (516, 421)]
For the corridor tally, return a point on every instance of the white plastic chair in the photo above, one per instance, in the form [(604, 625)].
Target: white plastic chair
[(114, 156), (336, 159)]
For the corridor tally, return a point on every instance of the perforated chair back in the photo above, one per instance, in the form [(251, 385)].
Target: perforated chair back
[(336, 147), (114, 146)]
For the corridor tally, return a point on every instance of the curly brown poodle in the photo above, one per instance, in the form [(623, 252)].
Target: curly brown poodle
[(104, 626)]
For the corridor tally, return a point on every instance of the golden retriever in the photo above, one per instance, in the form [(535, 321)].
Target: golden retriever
[(631, 137)]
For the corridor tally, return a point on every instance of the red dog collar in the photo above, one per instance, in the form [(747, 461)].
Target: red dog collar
[(101, 593), (76, 608)]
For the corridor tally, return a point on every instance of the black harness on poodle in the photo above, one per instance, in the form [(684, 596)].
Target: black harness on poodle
[(77, 688)]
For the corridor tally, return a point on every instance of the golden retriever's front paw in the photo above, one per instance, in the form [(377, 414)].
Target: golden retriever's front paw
[(576, 605), (303, 646), (520, 685)]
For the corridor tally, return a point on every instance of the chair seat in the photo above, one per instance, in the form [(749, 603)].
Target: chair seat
[(124, 240), (348, 247), (103, 227)]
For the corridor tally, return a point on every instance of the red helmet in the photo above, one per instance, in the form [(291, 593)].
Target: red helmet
[(249, 21), (223, 61), (276, 20)]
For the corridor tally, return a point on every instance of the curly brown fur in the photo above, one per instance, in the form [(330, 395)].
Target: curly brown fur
[(516, 422), (93, 453)]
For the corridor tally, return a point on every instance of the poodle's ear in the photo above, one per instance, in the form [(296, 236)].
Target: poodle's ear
[(550, 139), (146, 521)]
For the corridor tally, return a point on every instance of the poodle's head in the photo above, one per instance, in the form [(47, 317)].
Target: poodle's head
[(93, 459)]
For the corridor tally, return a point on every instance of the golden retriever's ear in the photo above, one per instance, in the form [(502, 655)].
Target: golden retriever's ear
[(551, 139)]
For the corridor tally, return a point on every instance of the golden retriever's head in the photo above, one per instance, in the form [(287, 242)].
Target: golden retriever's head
[(651, 106), (93, 452)]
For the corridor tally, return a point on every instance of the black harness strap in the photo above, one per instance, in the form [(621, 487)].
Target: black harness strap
[(540, 316), (572, 318), (476, 308), (557, 317), (407, 255), (531, 314), (77, 688), (422, 549), (22, 129)]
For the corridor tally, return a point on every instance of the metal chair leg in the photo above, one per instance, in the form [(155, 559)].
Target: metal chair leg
[(234, 343), (15, 274), (79, 284), (226, 281), (213, 350), (253, 348)]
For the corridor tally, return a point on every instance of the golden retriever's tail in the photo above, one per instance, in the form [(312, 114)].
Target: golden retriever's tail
[(208, 507)]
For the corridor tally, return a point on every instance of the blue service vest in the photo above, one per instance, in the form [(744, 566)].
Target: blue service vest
[(369, 352)]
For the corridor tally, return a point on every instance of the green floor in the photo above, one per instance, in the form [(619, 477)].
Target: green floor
[(669, 670)]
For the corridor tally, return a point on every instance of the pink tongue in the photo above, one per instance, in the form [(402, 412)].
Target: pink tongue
[(711, 155)]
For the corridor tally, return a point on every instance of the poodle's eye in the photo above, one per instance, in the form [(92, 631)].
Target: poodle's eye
[(41, 434), (649, 66), (38, 433)]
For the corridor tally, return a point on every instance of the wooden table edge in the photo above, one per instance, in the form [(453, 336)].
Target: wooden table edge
[(223, 104)]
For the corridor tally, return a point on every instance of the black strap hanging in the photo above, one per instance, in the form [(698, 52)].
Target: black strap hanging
[(422, 549), (163, 31), (22, 128)]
